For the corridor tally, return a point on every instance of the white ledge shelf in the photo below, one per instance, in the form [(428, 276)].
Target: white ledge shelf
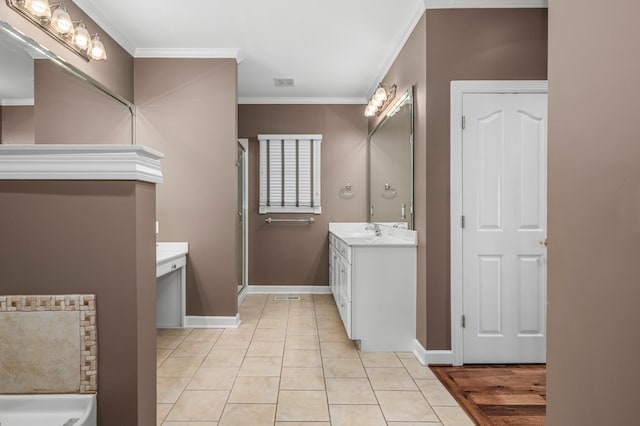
[(80, 162)]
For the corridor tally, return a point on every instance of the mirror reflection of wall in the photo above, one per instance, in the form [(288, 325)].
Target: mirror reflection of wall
[(43, 102), (390, 168)]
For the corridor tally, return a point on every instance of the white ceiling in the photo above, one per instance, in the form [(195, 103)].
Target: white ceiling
[(337, 50)]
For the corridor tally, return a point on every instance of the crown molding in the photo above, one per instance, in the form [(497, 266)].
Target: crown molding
[(80, 162), (300, 101), (17, 102), (88, 7), (485, 4), (415, 18), (195, 52)]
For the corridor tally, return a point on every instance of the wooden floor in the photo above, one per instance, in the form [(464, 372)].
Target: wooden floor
[(498, 394)]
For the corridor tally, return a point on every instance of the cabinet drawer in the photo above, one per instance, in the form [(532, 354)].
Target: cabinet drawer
[(170, 265), (343, 249)]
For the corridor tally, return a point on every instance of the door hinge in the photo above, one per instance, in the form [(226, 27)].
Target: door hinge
[(464, 322), (462, 221), (464, 122)]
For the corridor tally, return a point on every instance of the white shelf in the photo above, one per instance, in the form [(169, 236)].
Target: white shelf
[(80, 162)]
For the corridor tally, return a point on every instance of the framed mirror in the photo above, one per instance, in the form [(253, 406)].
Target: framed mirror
[(45, 100), (391, 165)]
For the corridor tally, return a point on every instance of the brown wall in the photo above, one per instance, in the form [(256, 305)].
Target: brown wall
[(61, 237), (116, 72), (298, 254), (186, 109), (410, 68), (594, 213), (446, 45), (69, 110), (465, 44), (17, 125)]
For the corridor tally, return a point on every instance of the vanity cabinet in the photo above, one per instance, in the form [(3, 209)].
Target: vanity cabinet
[(171, 277), (374, 287), (340, 279)]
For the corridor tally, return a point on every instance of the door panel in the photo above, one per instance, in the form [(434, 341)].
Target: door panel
[(504, 205)]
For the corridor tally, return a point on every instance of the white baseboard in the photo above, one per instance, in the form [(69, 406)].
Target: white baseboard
[(289, 289), (192, 321), (242, 295), (432, 357)]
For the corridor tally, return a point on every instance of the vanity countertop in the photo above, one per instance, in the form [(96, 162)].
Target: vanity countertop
[(355, 234), (170, 251)]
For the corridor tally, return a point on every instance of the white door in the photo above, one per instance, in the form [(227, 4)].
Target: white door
[(504, 205)]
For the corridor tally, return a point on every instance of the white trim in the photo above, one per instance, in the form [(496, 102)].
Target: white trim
[(295, 136), (300, 101), (80, 162), (458, 89), (426, 357), (17, 102), (289, 289), (192, 321), (88, 7), (485, 4), (242, 295), (244, 143), (276, 209), (400, 42), (188, 52)]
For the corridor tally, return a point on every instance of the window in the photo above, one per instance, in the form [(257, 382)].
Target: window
[(290, 173)]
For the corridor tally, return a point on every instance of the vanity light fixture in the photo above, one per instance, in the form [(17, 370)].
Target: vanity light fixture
[(96, 51), (55, 20), (81, 38), (39, 8), (61, 21), (380, 99), (399, 103)]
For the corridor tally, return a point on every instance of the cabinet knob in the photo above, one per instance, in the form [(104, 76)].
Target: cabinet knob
[(173, 266)]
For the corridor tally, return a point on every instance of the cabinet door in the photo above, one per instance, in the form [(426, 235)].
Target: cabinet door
[(344, 289), (332, 266)]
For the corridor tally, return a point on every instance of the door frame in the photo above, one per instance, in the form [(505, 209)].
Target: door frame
[(242, 294), (458, 90)]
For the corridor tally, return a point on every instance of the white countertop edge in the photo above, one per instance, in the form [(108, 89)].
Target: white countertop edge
[(170, 251), (401, 236), (399, 242), (80, 162)]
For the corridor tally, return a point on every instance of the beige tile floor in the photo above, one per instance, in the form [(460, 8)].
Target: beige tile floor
[(290, 363)]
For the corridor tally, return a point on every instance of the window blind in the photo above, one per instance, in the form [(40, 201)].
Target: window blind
[(290, 173)]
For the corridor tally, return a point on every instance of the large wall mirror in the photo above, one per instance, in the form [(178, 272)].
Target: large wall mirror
[(45, 100), (391, 165)]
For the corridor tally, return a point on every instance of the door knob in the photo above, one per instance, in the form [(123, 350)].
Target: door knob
[(543, 242)]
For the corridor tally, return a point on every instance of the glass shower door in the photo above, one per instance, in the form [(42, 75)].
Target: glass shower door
[(242, 228)]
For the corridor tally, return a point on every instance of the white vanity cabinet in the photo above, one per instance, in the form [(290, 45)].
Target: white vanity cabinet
[(373, 281), (340, 278), (171, 276)]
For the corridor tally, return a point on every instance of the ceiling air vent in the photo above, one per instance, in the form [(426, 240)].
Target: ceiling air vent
[(284, 82)]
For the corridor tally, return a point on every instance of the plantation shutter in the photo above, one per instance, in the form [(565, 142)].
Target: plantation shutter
[(290, 174)]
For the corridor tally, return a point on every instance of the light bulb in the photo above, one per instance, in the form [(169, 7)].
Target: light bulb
[(380, 95), (370, 111), (96, 51), (39, 8), (82, 39), (61, 21)]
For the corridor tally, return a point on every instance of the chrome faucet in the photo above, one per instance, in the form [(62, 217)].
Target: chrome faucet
[(373, 227)]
